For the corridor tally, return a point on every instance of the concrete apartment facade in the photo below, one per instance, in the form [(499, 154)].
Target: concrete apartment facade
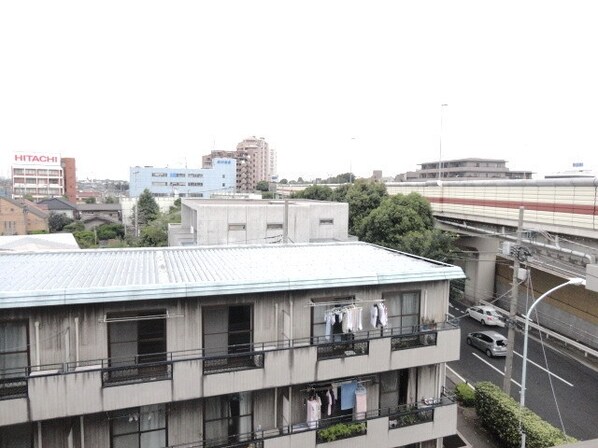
[(224, 346), (231, 221), (21, 217), (43, 175), (256, 162), (184, 182), (465, 169)]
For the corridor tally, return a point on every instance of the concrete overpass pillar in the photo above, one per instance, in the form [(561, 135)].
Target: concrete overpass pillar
[(479, 266)]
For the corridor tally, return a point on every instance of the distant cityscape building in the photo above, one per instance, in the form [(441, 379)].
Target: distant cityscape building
[(184, 182), (256, 161), (464, 169), (43, 175), (232, 221)]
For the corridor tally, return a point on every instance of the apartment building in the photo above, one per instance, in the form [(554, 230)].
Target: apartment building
[(21, 217), (234, 221), (256, 162), (465, 169), (43, 175), (237, 346)]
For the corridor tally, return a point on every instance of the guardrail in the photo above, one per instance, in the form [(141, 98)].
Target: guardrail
[(549, 333)]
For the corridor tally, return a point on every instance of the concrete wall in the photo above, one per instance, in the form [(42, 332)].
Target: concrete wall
[(210, 222)]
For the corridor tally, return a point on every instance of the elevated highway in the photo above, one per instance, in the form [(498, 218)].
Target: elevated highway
[(560, 240)]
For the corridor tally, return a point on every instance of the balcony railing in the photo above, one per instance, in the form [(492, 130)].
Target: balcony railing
[(158, 366), (138, 369), (399, 417), (13, 384)]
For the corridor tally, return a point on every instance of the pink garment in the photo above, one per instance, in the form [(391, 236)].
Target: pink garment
[(361, 407)]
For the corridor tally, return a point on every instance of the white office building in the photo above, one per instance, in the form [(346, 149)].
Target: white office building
[(184, 182)]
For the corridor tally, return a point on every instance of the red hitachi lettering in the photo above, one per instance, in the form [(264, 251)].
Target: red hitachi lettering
[(34, 158)]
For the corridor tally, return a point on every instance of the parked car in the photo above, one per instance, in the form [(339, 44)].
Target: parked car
[(486, 315), (490, 342)]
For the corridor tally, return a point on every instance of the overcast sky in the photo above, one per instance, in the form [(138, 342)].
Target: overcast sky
[(330, 85)]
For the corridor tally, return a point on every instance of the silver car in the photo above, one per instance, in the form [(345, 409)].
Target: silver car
[(490, 342)]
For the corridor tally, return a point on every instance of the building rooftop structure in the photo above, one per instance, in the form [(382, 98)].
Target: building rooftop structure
[(72, 277), (41, 242), (465, 169)]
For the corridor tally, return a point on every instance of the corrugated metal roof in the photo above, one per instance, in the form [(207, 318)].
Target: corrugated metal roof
[(96, 276)]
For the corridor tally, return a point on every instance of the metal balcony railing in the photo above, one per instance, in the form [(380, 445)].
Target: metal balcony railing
[(159, 366), (398, 417)]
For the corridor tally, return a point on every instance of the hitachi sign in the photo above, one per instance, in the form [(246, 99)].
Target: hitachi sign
[(37, 158)]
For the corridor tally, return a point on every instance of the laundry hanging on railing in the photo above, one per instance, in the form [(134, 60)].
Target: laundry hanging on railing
[(314, 411), (349, 317), (361, 407), (378, 315)]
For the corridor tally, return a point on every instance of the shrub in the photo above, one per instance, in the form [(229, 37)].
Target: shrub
[(465, 395), (341, 431), (500, 415)]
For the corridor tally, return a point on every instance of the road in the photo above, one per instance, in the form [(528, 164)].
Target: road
[(575, 385)]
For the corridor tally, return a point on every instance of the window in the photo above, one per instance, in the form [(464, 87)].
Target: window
[(156, 174), (16, 436), (195, 175), (196, 184), (195, 195), (177, 175), (14, 359), (228, 335), (403, 310), (228, 419), (143, 427), (273, 226), (326, 221), (137, 347), (235, 227), (177, 184), (159, 184)]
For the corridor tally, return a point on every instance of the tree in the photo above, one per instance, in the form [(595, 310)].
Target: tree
[(406, 223), (268, 195), (90, 200), (110, 232), (283, 181), (147, 208), (262, 185), (363, 196), (57, 222), (85, 239), (110, 200), (75, 226), (317, 192)]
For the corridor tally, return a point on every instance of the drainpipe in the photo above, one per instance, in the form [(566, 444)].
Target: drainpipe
[(37, 350), (77, 341)]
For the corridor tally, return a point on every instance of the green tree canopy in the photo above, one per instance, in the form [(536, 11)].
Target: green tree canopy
[(57, 222), (110, 232), (363, 196), (75, 226), (90, 200), (316, 192), (148, 209), (111, 200), (406, 223), (262, 185)]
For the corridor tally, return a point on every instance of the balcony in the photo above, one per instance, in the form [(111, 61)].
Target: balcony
[(110, 384), (379, 427)]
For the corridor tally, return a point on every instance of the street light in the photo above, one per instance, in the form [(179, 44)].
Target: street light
[(442, 106), (572, 281)]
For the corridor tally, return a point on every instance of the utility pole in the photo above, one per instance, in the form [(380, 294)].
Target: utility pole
[(506, 387)]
